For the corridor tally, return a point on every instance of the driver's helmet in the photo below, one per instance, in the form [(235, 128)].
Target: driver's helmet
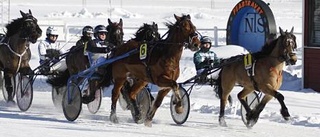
[(87, 30), (205, 39), (99, 29), (52, 31)]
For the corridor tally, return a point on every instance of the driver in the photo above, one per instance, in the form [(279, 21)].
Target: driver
[(49, 51), (205, 58)]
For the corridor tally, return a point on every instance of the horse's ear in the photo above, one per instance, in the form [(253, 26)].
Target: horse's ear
[(177, 17), (155, 25), (281, 31), (291, 32), (120, 22), (188, 16), (109, 21), (30, 12), (23, 14)]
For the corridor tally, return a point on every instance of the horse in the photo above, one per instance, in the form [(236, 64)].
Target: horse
[(264, 75), (76, 60), (115, 32), (161, 67), (15, 53), (146, 33)]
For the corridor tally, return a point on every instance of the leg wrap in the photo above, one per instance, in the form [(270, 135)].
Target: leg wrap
[(279, 96)]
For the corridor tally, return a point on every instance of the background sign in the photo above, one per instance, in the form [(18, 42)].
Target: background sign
[(251, 23)]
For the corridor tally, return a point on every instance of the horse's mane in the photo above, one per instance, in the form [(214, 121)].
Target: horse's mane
[(171, 25), (266, 49), (139, 34), (14, 27)]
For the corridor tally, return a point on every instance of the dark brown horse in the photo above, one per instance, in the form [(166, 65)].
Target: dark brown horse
[(77, 61), (160, 68), (15, 53), (266, 76), (115, 32)]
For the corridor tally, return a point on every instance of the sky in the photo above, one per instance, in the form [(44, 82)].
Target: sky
[(43, 119)]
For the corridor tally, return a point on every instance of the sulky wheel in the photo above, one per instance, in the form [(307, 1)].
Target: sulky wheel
[(253, 100), (24, 92), (180, 118), (71, 102), (94, 106)]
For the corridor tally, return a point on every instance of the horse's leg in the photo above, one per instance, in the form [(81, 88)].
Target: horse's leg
[(167, 82), (114, 98), (269, 90), (254, 114), (242, 96), (8, 84), (224, 88), (133, 92), (161, 94), (284, 110), (89, 97)]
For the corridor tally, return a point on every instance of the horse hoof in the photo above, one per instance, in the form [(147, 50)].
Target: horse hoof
[(251, 123), (222, 122), (87, 99), (11, 103), (287, 118), (148, 123), (285, 114), (179, 108), (114, 119), (138, 119)]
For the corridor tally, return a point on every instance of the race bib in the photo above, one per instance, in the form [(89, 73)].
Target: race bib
[(247, 61), (143, 51)]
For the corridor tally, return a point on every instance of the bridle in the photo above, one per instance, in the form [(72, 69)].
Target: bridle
[(288, 42), (117, 33)]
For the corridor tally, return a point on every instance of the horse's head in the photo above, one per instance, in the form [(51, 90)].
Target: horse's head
[(115, 32), (289, 44), (189, 31), (148, 32), (30, 28)]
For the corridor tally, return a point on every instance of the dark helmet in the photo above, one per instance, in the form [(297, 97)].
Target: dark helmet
[(87, 30), (205, 39), (100, 28)]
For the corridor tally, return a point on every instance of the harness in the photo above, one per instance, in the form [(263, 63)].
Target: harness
[(143, 54), (249, 65), (15, 53)]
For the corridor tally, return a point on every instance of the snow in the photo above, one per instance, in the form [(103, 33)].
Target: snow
[(44, 120)]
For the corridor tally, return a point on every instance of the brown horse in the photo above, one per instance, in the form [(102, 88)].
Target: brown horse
[(160, 68), (15, 53), (266, 76)]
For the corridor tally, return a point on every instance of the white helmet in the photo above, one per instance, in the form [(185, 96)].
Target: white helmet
[(52, 31)]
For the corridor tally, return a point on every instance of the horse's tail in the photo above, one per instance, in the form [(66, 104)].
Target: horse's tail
[(218, 84), (59, 80)]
